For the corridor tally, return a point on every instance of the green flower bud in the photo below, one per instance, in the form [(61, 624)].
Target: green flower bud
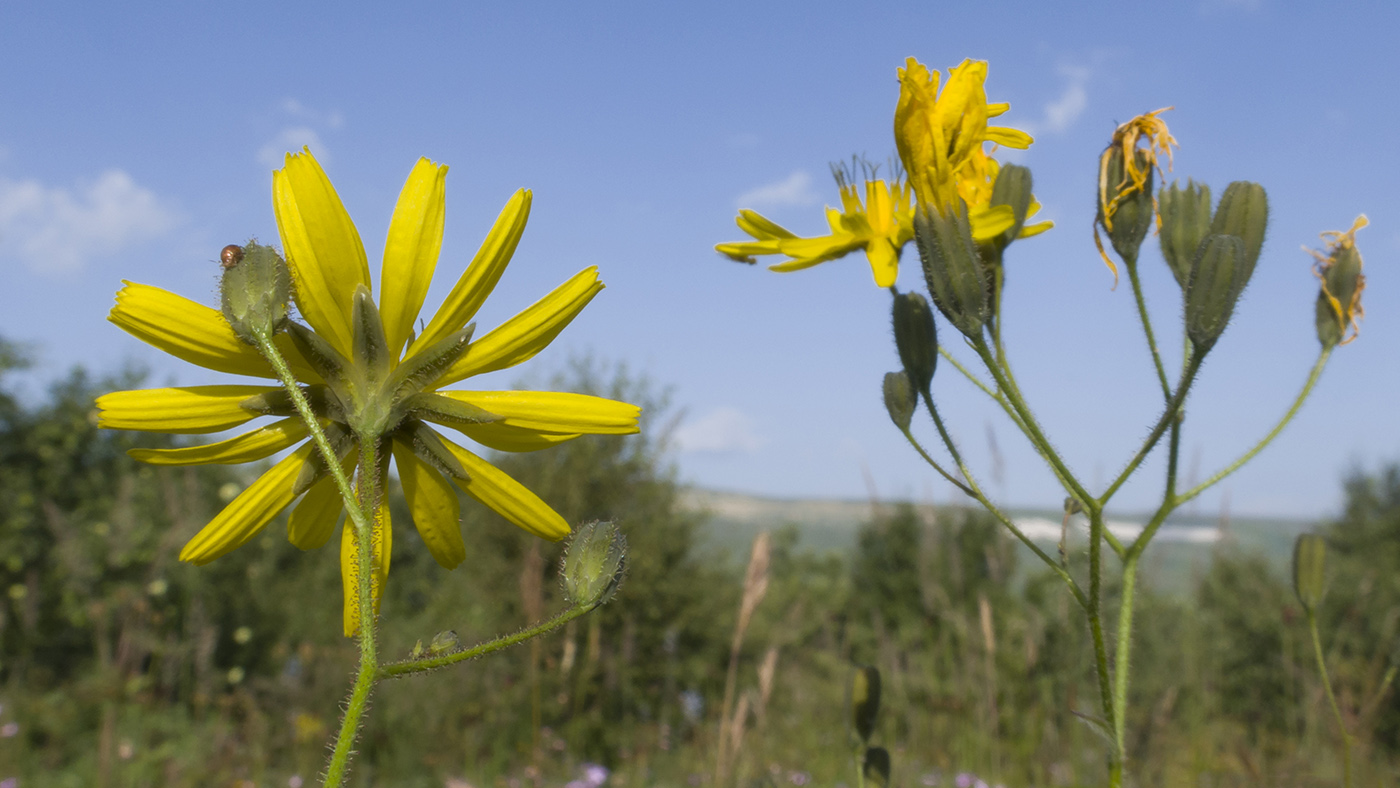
[(594, 563), (1218, 276), (876, 767), (916, 338), (1339, 299), (254, 291), (1243, 212), (1310, 570), (1186, 221), (900, 398), (953, 268), (1125, 206), (865, 700), (1012, 187)]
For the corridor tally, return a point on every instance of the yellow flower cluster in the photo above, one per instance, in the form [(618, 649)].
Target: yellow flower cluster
[(941, 139)]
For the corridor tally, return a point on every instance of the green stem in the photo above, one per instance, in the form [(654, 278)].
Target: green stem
[(368, 669), (1297, 405), (1131, 265), (1331, 699), (1031, 427), (410, 666), (1122, 655), (1095, 615), (909, 436), (318, 435), (1183, 388), (361, 512), (974, 490)]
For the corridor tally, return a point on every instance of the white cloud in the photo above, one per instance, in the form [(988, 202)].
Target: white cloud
[(722, 431), (795, 189), (292, 138), (58, 230), (1061, 113)]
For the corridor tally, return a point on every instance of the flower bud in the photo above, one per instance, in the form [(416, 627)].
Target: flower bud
[(1309, 570), (876, 767), (1339, 299), (254, 291), (1125, 205), (916, 338), (1013, 188), (1186, 219), (594, 563), (953, 267), (1244, 213), (900, 398), (865, 700), (1218, 276)]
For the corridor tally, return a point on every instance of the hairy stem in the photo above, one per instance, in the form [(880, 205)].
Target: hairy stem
[(1313, 376), (1331, 699), (409, 667), (1146, 320)]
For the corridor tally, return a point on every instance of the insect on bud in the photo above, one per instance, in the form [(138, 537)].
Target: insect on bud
[(230, 256), (594, 564), (255, 290)]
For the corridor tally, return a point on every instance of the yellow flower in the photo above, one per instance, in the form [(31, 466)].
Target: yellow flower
[(369, 375), (939, 134), (882, 225), (975, 183)]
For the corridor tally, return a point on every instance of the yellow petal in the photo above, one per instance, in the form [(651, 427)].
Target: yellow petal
[(481, 276), (509, 498), (314, 519), (188, 409), (411, 251), (434, 507), (807, 252), (745, 250), (1035, 229), (520, 338), (249, 512), (760, 227), (322, 247), (991, 221), (247, 447), (381, 547), (503, 437), (554, 411), (884, 262), (1009, 138), (195, 333), (999, 108)]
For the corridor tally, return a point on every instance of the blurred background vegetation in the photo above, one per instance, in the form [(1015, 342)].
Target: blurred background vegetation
[(119, 666)]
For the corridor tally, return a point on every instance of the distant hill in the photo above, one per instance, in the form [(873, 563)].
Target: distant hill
[(1183, 547)]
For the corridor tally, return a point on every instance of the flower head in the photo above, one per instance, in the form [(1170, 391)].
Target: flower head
[(881, 226), (938, 134), (370, 378), (1135, 163), (1338, 268)]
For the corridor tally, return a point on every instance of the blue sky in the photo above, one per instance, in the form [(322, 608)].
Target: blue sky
[(137, 139)]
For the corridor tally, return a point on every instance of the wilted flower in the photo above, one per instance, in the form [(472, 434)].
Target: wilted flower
[(1339, 270), (1125, 173)]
